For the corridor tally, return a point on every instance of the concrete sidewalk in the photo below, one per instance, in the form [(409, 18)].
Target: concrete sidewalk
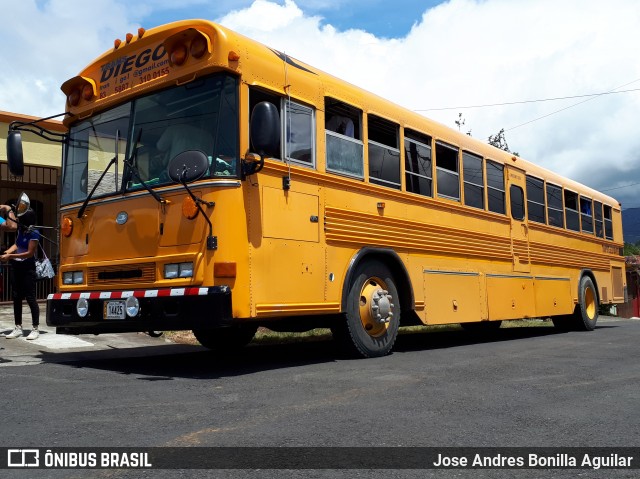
[(20, 351)]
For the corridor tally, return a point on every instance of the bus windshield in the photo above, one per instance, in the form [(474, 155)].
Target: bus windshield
[(200, 115)]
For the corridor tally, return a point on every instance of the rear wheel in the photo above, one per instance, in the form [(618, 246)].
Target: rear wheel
[(586, 313), (226, 339), (370, 326)]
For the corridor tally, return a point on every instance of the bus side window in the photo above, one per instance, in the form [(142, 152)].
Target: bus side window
[(344, 147), (447, 171), (608, 223), (597, 214), (571, 210), (555, 212), (299, 121), (384, 155), (535, 199), (495, 187), (473, 178), (586, 215), (256, 96), (417, 163)]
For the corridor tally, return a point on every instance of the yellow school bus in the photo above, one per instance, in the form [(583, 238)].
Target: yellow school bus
[(214, 184)]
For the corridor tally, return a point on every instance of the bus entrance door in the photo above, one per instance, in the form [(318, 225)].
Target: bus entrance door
[(519, 229)]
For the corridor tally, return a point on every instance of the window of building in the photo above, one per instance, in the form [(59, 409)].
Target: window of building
[(417, 163), (495, 187), (586, 215), (608, 223), (447, 172), (597, 215), (554, 206), (517, 202), (384, 155), (535, 200), (571, 210), (473, 176), (345, 150)]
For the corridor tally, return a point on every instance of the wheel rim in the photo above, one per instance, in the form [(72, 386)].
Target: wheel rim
[(590, 303), (376, 308)]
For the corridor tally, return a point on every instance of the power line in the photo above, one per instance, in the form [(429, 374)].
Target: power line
[(571, 106), (620, 187), (531, 101)]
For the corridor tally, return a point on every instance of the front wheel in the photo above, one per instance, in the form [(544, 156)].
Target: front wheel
[(226, 340), (370, 326)]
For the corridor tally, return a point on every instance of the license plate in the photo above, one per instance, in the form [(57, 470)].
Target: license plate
[(114, 310)]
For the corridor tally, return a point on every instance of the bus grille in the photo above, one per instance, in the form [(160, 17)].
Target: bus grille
[(115, 275)]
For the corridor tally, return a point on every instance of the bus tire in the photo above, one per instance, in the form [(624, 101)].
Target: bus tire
[(586, 312), (226, 340), (370, 325), (481, 326)]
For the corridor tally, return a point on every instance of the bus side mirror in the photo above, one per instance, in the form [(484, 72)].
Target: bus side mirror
[(14, 153), (264, 132)]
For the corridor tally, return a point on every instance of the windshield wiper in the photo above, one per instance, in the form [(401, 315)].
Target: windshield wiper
[(90, 195), (131, 164)]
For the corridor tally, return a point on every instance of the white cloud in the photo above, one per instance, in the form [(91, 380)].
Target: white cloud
[(469, 52), (463, 52)]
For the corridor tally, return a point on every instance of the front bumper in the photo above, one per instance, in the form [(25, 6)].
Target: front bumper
[(160, 310)]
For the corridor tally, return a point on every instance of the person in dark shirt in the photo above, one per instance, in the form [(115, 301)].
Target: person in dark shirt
[(21, 256)]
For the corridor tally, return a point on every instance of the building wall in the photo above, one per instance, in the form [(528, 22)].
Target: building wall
[(40, 181)]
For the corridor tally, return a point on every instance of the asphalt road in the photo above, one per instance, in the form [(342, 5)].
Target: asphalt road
[(529, 387)]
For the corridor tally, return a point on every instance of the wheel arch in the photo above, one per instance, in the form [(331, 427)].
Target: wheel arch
[(393, 261)]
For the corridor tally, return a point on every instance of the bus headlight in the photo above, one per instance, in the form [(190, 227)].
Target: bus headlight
[(178, 270), (73, 277), (82, 307), (132, 306)]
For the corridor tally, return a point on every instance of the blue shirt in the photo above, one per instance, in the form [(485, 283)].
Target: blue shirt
[(22, 241)]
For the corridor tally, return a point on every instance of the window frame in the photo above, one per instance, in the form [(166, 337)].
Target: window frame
[(409, 139), (471, 184), (587, 215), (530, 180), (442, 169), (549, 207), (378, 123), (487, 163), (284, 142), (568, 210)]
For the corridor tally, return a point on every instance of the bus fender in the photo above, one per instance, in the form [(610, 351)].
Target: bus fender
[(393, 261)]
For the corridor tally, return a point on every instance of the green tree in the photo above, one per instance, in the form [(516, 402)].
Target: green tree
[(631, 249), (500, 141)]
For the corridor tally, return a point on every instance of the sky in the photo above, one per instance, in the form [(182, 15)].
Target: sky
[(435, 57)]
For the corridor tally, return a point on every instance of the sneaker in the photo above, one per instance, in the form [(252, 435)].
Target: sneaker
[(34, 334), (16, 333)]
